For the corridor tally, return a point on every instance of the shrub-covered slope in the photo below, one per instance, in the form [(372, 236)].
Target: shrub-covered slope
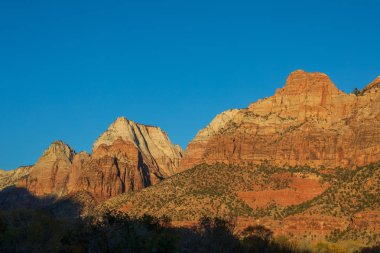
[(333, 204)]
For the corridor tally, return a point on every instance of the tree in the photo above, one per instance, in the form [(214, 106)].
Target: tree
[(356, 91)]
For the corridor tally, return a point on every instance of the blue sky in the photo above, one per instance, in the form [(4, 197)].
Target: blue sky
[(69, 68)]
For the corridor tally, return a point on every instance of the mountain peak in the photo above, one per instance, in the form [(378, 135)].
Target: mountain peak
[(127, 130), (301, 82), (122, 122), (150, 140), (121, 119), (59, 149)]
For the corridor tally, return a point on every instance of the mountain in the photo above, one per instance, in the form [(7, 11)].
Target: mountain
[(126, 157), (152, 142), (309, 121), (304, 163), (51, 172)]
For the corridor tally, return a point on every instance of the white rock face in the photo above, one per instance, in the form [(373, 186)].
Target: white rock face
[(151, 141), (216, 124), (11, 177)]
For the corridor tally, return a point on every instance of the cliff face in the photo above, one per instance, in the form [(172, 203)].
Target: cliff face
[(113, 169), (152, 143), (309, 121), (127, 157), (51, 172)]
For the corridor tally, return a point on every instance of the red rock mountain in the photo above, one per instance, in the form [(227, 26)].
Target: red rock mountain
[(309, 121), (127, 157)]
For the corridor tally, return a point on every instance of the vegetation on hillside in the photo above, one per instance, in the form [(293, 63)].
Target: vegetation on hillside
[(208, 190), (202, 190), (207, 196), (212, 190)]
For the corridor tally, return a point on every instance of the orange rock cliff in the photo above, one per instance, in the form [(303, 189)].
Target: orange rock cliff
[(127, 157), (307, 122)]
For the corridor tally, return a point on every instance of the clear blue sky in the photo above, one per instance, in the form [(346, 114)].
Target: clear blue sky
[(69, 68)]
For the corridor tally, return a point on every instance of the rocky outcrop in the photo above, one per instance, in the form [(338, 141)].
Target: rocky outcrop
[(373, 87), (11, 177), (127, 157), (113, 169), (153, 143), (51, 172), (309, 121)]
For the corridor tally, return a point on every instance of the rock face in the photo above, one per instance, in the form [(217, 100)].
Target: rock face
[(11, 177), (51, 172), (373, 87), (152, 142), (309, 121), (127, 157)]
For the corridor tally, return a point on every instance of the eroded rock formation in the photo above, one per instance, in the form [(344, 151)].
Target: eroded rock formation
[(152, 142), (128, 156), (309, 121)]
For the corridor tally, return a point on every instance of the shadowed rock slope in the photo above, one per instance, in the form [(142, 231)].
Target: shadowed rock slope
[(308, 121)]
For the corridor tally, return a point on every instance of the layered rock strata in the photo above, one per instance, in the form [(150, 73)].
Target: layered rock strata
[(127, 157), (307, 122)]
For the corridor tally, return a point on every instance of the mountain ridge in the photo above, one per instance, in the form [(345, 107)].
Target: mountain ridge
[(323, 125), (303, 162), (116, 165)]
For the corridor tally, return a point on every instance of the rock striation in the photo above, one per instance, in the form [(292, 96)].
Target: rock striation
[(153, 143), (127, 157), (51, 172), (307, 122)]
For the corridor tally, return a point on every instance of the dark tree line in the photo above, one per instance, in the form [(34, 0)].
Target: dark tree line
[(29, 231)]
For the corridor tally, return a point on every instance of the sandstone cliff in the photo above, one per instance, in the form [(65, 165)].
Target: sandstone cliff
[(51, 172), (127, 157), (308, 121), (151, 141)]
